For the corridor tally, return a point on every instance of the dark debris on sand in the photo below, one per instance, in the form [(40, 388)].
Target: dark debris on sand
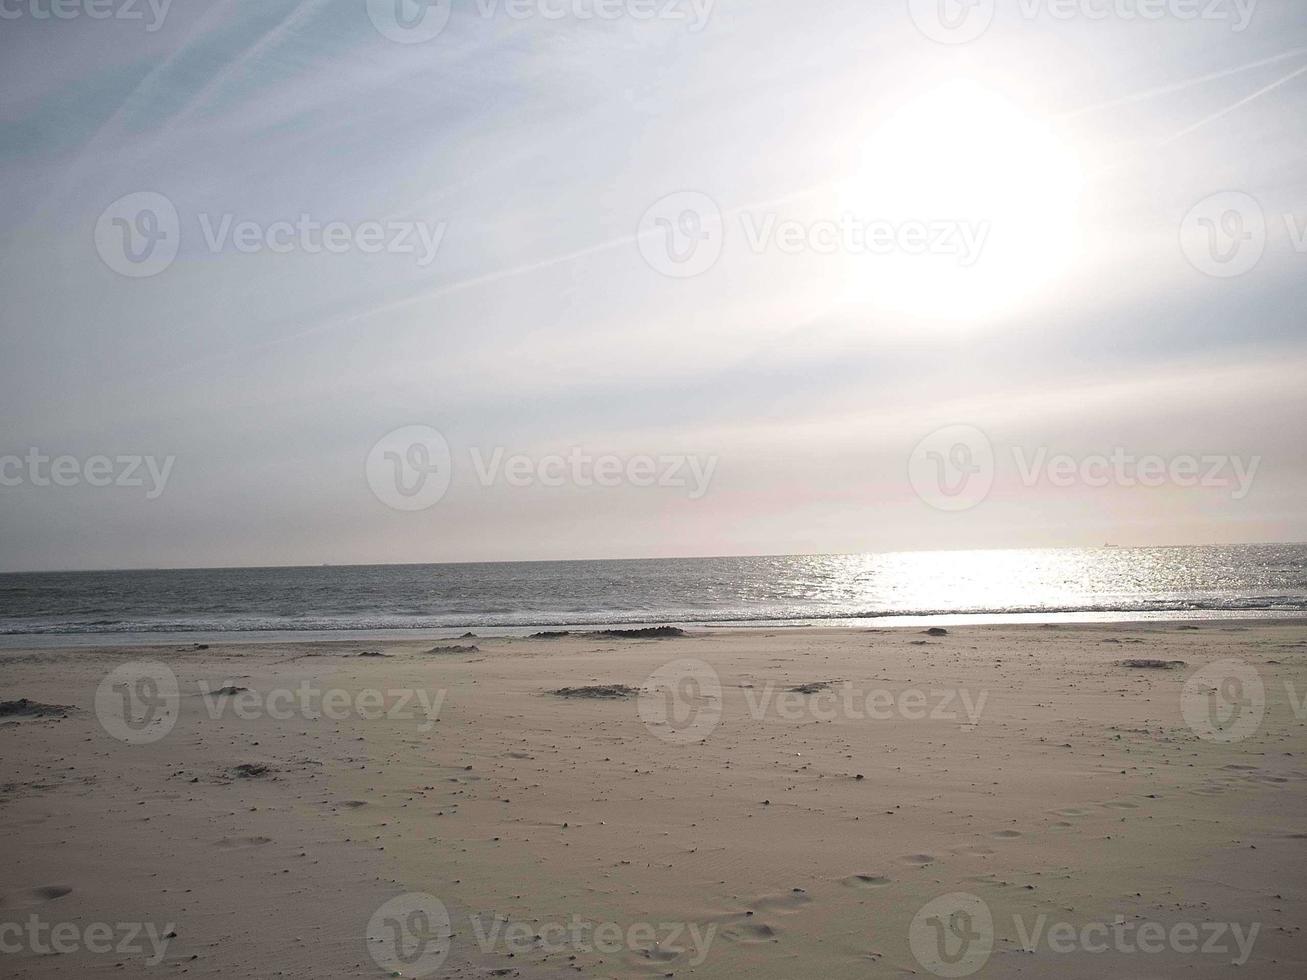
[(813, 687), (23, 708), (250, 770), (612, 691), (550, 635), (1153, 664), (649, 633), (456, 649)]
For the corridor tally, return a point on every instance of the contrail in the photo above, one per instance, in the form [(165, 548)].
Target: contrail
[(303, 10), (499, 275), (1242, 102), (1180, 86)]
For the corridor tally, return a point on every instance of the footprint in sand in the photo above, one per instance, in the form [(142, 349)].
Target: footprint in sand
[(1122, 806), (1071, 811), (33, 896), (1006, 834), (657, 955), (920, 860), (792, 902), (865, 881), (750, 932), (236, 843)]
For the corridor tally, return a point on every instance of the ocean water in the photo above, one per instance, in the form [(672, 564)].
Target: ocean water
[(1099, 583)]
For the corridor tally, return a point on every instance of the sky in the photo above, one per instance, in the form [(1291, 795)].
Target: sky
[(362, 282)]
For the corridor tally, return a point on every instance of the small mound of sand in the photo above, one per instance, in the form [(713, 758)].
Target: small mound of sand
[(936, 631), (455, 649), (1153, 664), (550, 635), (373, 653), (597, 691)]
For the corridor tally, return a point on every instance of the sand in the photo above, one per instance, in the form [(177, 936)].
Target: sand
[(811, 819)]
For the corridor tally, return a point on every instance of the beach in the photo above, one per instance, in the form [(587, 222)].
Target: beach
[(993, 801)]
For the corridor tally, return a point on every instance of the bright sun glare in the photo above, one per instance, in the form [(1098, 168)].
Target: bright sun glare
[(997, 189)]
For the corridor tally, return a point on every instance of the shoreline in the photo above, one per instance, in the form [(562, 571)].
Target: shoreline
[(162, 638)]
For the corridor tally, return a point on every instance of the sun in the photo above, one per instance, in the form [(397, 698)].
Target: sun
[(970, 206)]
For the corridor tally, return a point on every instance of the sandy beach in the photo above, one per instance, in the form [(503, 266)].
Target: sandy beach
[(994, 801)]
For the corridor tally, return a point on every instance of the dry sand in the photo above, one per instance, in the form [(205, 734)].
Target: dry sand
[(765, 833)]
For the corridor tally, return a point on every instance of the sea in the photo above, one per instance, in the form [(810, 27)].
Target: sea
[(898, 589)]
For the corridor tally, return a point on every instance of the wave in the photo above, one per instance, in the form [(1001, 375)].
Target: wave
[(504, 619)]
